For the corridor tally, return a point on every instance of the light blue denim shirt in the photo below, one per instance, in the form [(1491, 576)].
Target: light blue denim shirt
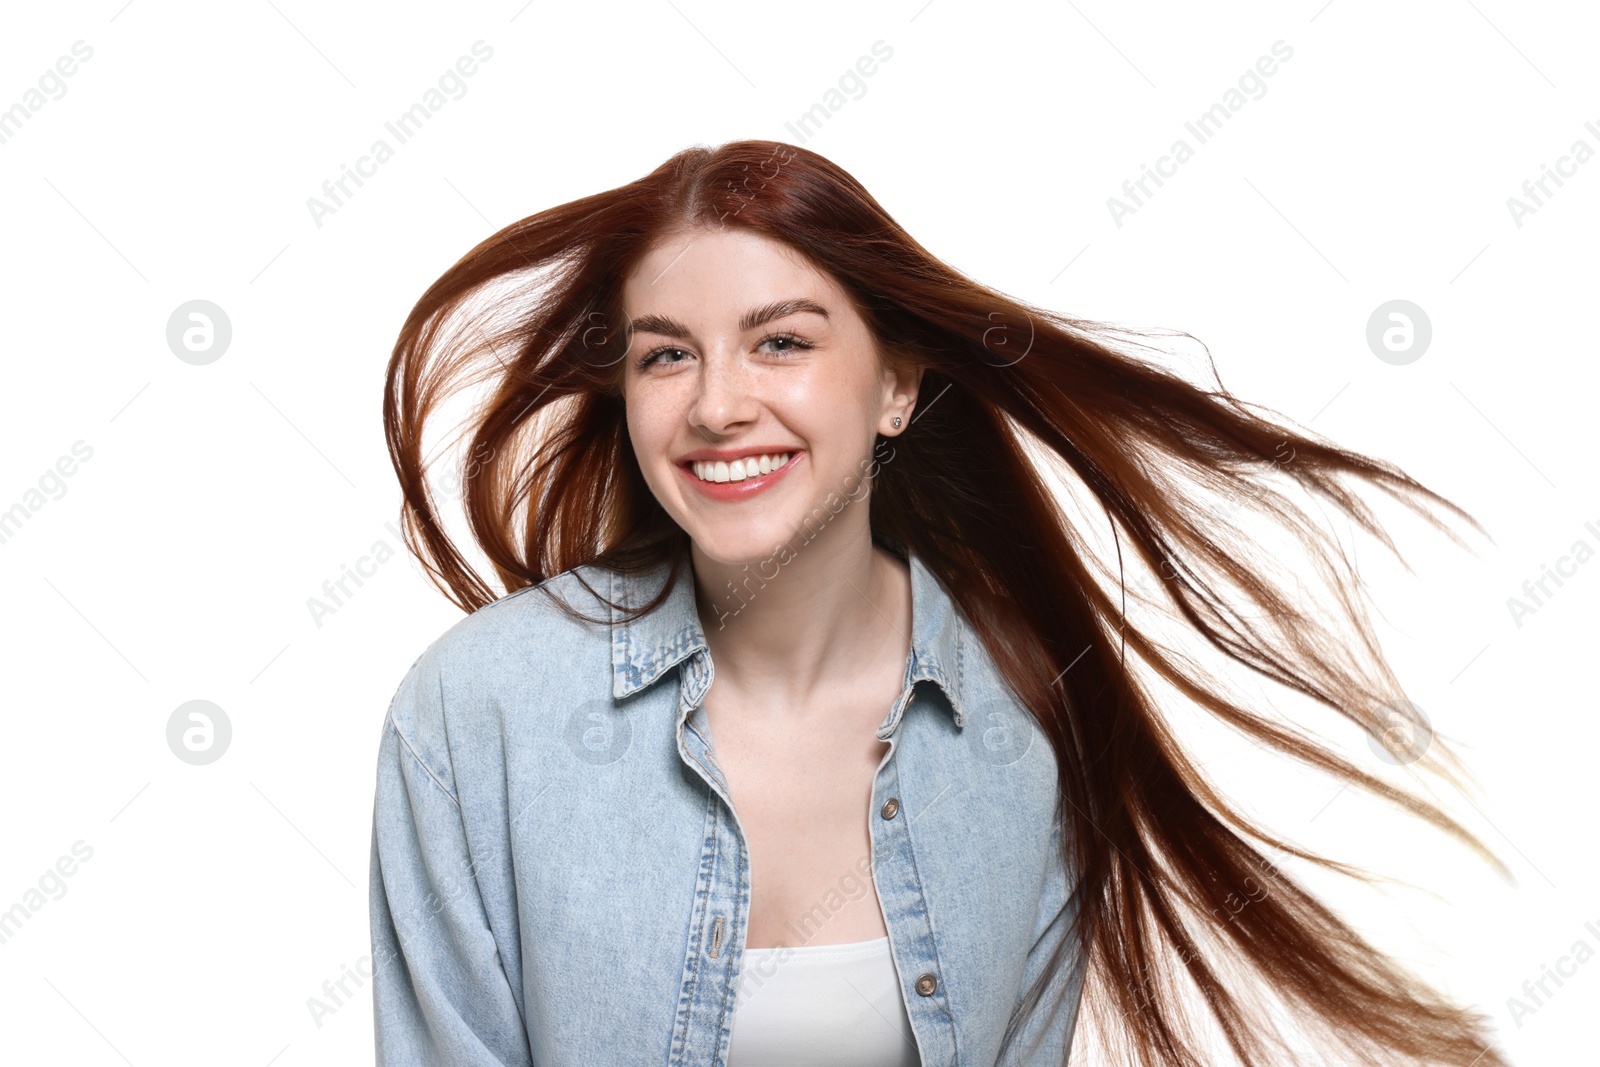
[(560, 879)]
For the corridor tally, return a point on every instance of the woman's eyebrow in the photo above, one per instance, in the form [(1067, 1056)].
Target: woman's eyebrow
[(670, 327)]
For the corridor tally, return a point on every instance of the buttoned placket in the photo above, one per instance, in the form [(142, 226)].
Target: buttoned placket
[(900, 896), (704, 1021)]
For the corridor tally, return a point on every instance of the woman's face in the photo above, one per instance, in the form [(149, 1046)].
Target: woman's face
[(755, 353)]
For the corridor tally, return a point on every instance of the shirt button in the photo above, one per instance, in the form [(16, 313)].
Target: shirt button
[(891, 807), (926, 984)]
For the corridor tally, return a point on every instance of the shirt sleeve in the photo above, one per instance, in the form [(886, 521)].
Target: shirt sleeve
[(440, 994), (1045, 1038)]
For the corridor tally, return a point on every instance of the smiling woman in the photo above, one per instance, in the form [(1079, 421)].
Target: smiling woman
[(793, 382), (784, 743)]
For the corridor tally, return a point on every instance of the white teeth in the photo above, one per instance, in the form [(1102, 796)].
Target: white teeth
[(739, 469)]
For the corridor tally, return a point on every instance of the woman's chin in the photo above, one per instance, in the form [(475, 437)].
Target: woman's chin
[(736, 548)]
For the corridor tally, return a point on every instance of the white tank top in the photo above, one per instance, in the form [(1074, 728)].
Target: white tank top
[(821, 1006)]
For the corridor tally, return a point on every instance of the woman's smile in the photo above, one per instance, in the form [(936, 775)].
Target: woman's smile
[(741, 478)]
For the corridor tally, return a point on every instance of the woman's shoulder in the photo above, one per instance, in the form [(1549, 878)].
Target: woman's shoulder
[(534, 614), (514, 649)]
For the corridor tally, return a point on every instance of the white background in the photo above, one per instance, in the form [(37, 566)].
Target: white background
[(178, 562)]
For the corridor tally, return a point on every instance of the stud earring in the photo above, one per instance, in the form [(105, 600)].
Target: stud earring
[(897, 422)]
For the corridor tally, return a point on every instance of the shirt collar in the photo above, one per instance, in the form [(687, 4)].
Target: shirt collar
[(644, 649)]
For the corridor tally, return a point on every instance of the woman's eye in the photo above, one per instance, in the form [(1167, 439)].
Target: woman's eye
[(794, 344), (655, 356)]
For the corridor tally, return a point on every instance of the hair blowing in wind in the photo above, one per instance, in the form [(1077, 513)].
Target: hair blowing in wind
[(1011, 393)]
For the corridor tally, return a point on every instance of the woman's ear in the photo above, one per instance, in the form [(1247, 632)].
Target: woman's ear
[(904, 381)]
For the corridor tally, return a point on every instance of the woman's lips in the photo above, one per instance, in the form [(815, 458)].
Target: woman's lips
[(739, 490)]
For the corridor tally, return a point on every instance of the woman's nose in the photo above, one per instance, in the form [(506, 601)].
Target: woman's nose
[(723, 393)]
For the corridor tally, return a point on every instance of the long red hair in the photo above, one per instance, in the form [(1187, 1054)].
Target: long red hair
[(1010, 393)]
